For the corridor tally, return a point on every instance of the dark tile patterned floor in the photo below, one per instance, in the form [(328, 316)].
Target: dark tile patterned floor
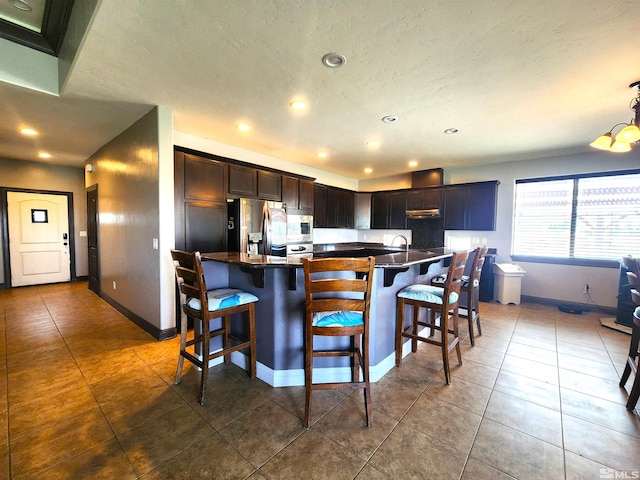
[(84, 393)]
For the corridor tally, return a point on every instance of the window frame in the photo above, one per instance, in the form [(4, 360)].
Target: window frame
[(568, 260)]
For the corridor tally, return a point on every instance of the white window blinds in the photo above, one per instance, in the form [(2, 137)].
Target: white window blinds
[(590, 217)]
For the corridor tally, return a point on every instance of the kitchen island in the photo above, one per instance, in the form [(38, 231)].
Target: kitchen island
[(279, 284)]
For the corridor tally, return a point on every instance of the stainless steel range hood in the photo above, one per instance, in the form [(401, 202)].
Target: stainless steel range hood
[(423, 213)]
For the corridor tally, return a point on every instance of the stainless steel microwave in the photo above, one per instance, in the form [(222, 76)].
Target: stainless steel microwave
[(299, 228)]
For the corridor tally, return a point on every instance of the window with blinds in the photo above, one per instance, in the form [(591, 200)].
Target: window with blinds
[(593, 217)]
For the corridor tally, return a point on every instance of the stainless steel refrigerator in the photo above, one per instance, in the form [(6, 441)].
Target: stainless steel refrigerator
[(257, 226)]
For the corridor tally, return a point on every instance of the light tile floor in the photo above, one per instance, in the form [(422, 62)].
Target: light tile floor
[(84, 393)]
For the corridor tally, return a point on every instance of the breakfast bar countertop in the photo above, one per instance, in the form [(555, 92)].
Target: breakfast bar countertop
[(386, 257)]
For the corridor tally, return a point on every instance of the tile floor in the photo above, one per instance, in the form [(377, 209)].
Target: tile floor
[(84, 393)]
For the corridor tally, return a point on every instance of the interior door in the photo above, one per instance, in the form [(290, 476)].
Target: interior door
[(92, 240), (38, 238)]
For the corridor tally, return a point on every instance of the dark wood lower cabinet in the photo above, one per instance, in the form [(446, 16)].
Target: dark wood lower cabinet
[(205, 226)]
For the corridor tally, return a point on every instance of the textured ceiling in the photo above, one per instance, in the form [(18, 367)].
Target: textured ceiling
[(519, 80)]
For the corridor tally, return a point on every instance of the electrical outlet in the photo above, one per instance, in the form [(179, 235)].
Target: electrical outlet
[(114, 284), (586, 288)]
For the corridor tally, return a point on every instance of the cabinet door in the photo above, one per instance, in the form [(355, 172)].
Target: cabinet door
[(379, 210), (243, 181), (350, 202), (204, 179), (290, 191), (205, 226), (432, 198), (418, 199), (320, 206), (269, 186), (454, 201), (415, 199), (332, 208), (298, 194), (481, 200), (345, 206), (397, 207), (305, 195)]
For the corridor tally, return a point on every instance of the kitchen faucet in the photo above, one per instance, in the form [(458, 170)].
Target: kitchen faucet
[(406, 242)]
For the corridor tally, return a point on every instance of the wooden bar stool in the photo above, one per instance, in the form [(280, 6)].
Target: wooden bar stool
[(439, 300), (221, 303), (471, 286), (338, 295), (634, 353)]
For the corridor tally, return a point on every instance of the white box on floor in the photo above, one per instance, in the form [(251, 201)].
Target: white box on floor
[(508, 280)]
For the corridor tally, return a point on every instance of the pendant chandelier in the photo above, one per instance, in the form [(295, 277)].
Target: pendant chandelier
[(628, 135)]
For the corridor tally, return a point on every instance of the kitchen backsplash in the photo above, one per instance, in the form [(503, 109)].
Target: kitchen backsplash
[(346, 235)]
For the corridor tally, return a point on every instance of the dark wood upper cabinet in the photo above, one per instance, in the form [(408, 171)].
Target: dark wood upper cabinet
[(204, 179), (422, 198), (305, 195), (298, 194), (470, 206), (345, 204), (454, 201), (333, 207), (254, 183), (482, 198), (290, 191), (320, 217), (243, 181), (269, 185), (388, 209), (379, 210), (397, 207)]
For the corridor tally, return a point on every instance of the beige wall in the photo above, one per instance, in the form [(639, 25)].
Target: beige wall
[(127, 171), (40, 176)]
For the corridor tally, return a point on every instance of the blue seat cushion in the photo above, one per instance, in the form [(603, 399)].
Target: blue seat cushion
[(426, 293), (441, 279), (337, 319), (223, 298)]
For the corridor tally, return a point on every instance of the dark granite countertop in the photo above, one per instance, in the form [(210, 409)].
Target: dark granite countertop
[(386, 257)]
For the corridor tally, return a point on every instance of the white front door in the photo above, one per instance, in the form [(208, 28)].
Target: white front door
[(38, 238)]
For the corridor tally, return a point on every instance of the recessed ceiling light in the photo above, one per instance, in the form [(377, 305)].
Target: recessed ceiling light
[(21, 5), (44, 155), (389, 119), (368, 170), (28, 131), (298, 105), (334, 60), (244, 127), (449, 131), (413, 163), (322, 154), (373, 143)]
